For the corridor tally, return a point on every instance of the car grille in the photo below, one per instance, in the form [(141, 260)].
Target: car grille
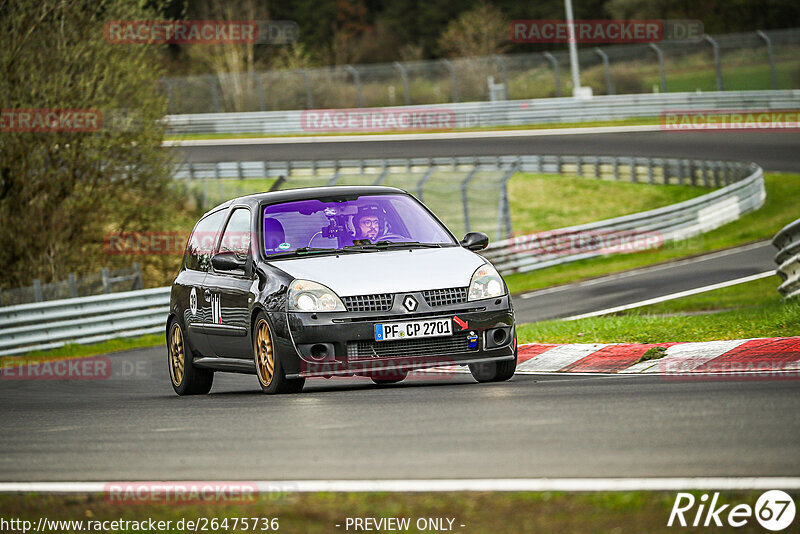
[(445, 297), (435, 346), (369, 303)]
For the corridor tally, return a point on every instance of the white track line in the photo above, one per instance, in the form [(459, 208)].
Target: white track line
[(642, 270), (412, 136), (437, 485), (672, 296)]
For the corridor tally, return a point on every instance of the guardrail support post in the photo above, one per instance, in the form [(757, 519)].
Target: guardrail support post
[(404, 76), (616, 169), (424, 179), (597, 169), (768, 42), (464, 199), (634, 178), (504, 211), (650, 171), (502, 63), (580, 166), (73, 285), (37, 290), (168, 85), (660, 56), (138, 283), (717, 64), (607, 70), (262, 101), (453, 80), (554, 62), (212, 81), (106, 281), (357, 82), (307, 83)]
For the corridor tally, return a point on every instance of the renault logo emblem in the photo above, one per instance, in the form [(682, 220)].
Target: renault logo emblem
[(410, 303)]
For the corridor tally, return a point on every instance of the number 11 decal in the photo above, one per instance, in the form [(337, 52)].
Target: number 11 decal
[(216, 309)]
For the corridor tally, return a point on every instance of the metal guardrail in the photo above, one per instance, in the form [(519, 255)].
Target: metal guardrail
[(787, 241), (743, 192), (504, 113), (52, 324)]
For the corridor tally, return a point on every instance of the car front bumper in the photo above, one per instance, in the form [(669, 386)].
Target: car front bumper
[(348, 340)]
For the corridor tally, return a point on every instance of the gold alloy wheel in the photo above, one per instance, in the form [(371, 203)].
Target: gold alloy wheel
[(265, 358), (177, 356)]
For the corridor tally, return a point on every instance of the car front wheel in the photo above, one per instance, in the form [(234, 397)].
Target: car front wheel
[(270, 372), (494, 371)]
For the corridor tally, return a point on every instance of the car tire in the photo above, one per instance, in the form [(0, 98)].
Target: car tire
[(389, 378), (186, 379), (494, 371), (269, 369)]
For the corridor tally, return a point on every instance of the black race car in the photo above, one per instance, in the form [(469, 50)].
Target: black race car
[(328, 281)]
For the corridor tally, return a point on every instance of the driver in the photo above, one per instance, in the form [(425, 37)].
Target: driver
[(367, 222)]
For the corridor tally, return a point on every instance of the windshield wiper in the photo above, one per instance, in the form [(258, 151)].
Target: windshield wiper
[(301, 251), (381, 245)]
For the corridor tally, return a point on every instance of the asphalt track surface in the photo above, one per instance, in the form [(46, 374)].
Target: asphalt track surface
[(435, 427), (774, 151), (646, 283), (133, 427)]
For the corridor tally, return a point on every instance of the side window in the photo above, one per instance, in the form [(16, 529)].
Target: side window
[(236, 237), (201, 242)]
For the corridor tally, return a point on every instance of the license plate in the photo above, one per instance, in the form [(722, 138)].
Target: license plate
[(413, 329)]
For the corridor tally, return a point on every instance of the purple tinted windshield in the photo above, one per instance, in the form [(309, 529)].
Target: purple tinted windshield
[(332, 224)]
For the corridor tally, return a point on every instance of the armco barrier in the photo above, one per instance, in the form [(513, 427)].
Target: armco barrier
[(51, 324), (787, 241), (506, 112), (744, 193), (90, 319)]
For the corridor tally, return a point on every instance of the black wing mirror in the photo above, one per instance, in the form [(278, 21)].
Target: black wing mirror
[(227, 261), (475, 241)]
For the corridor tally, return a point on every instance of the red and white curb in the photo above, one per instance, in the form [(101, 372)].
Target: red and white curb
[(760, 357)]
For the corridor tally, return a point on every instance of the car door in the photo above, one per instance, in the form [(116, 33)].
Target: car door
[(231, 292), (192, 281)]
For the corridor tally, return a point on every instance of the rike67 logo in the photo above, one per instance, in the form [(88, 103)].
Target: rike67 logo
[(774, 510)]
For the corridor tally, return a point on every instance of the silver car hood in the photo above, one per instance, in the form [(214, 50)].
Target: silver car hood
[(387, 271)]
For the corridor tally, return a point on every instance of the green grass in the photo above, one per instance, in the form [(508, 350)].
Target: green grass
[(545, 202), (113, 345), (755, 76), (320, 512), (778, 210), (753, 309)]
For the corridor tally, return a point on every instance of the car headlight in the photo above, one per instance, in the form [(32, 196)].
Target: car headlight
[(486, 283), (308, 296)]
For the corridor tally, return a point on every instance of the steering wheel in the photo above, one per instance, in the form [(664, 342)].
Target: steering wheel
[(392, 236)]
